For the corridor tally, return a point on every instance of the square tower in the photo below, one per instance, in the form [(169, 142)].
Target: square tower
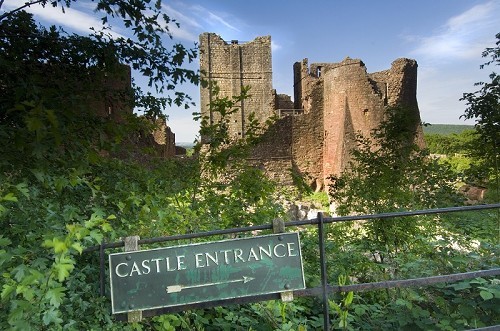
[(233, 65)]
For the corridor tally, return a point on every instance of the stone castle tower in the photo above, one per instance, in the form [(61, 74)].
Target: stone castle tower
[(233, 66), (315, 133)]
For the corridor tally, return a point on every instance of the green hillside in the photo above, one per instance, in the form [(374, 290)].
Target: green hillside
[(446, 129)]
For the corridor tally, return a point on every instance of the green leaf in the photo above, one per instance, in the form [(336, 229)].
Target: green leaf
[(486, 295), (58, 245), (27, 292), (20, 272), (6, 291), (51, 317), (60, 183), (96, 235), (348, 299), (461, 286), (4, 256), (62, 267), (4, 241), (10, 197), (78, 247), (106, 227), (55, 296), (479, 280), (23, 188)]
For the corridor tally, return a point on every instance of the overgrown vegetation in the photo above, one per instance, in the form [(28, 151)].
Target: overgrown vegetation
[(394, 176), (60, 193)]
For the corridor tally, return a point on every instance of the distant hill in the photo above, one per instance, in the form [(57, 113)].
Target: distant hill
[(446, 129), (185, 144)]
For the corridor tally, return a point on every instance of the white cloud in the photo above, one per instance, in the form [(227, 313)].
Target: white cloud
[(71, 18), (195, 19), (189, 26), (215, 19), (182, 19), (275, 46), (449, 61), (463, 36), (182, 33)]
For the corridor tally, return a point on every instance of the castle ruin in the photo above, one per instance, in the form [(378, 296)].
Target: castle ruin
[(314, 133)]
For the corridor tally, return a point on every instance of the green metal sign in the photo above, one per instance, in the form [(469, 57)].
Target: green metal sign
[(174, 276)]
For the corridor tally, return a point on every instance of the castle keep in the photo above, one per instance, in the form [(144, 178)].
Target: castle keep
[(332, 102)]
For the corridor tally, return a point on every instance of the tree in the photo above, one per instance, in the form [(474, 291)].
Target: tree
[(484, 107), (388, 173), (145, 49), (58, 194)]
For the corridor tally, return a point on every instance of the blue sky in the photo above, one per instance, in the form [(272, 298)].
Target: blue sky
[(446, 37)]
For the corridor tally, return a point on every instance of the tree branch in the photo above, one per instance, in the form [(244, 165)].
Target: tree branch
[(27, 4)]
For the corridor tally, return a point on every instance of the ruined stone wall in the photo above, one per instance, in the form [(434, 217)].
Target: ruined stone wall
[(302, 85), (277, 169), (308, 139), (233, 66), (112, 95), (163, 139), (283, 102), (353, 103), (113, 100), (273, 154), (401, 89), (332, 103), (276, 142)]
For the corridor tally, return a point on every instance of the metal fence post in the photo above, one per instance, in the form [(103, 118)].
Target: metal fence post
[(279, 227), (132, 244), (324, 280), (102, 285)]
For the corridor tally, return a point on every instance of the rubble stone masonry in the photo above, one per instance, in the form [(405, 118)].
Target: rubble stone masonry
[(332, 102), (232, 66)]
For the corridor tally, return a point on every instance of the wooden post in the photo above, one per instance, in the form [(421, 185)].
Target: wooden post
[(131, 244), (279, 227)]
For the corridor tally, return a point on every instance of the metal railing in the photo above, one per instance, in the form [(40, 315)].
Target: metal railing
[(321, 291)]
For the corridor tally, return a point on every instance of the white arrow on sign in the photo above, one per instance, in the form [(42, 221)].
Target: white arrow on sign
[(178, 288)]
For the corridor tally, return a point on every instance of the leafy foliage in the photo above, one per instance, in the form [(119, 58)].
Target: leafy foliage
[(446, 129), (451, 144), (61, 192), (389, 172), (484, 107)]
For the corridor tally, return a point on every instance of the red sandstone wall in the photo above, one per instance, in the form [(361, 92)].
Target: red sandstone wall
[(338, 101), (353, 103), (308, 139)]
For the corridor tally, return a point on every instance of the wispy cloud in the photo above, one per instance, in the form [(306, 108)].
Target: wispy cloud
[(73, 19), (275, 46), (462, 35), (180, 17), (215, 19), (195, 19)]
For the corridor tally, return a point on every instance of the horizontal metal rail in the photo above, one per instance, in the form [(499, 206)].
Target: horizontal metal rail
[(415, 281), (313, 221), (318, 291)]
